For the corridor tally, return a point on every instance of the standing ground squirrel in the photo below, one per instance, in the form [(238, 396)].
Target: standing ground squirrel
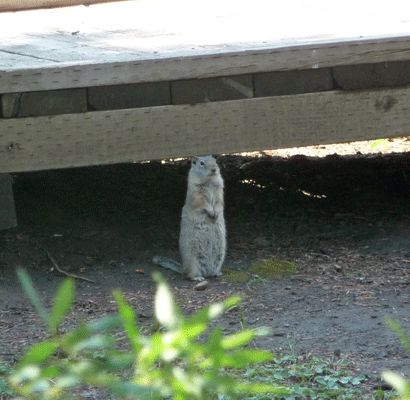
[(202, 241)]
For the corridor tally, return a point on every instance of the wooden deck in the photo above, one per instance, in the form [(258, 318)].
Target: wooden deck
[(152, 79)]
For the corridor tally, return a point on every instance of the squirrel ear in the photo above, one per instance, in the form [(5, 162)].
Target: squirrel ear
[(194, 160)]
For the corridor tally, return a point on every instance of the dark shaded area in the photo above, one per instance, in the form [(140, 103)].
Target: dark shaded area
[(343, 222)]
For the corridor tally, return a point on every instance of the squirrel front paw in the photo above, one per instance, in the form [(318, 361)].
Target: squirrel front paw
[(211, 214)]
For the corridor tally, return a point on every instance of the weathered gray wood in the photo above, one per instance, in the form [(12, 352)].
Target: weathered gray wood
[(162, 40), (9, 104), (15, 5), (228, 126), (7, 211), (118, 69), (191, 91), (52, 102), (280, 83), (129, 96), (354, 77)]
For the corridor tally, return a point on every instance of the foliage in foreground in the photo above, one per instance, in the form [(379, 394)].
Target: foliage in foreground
[(400, 384), (174, 363), (170, 363), (308, 377)]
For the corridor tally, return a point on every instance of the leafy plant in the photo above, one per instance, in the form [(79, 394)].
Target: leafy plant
[(172, 362), (400, 384), (308, 378), (4, 387), (379, 142)]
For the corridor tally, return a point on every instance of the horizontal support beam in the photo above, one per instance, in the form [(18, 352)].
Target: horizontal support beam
[(116, 136)]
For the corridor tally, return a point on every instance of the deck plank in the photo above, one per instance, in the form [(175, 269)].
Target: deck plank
[(146, 37)]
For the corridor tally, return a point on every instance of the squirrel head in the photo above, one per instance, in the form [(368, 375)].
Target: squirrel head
[(204, 169)]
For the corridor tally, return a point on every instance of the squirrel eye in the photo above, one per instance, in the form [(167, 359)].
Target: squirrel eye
[(202, 162)]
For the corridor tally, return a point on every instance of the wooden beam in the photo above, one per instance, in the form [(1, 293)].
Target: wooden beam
[(183, 66), (117, 136), (19, 5)]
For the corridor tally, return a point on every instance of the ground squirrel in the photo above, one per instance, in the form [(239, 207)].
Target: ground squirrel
[(202, 241)]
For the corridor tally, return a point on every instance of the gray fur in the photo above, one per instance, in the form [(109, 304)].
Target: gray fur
[(202, 241)]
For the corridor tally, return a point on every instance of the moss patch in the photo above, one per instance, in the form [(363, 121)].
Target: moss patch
[(275, 269), (235, 276)]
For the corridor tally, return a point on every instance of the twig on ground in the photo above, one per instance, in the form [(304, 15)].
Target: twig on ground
[(66, 273)]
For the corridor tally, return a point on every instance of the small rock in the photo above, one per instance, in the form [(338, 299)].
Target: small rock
[(337, 353), (338, 268), (201, 285)]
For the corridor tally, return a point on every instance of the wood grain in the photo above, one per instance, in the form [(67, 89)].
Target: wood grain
[(162, 40), (210, 128), (17, 5)]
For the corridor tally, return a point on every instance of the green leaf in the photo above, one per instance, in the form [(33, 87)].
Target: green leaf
[(192, 330), (105, 324), (32, 294), (151, 351), (379, 142), (67, 381), (216, 351), (237, 339), (232, 301), (405, 341), (358, 380), (243, 358), (166, 310), (62, 303), (398, 382), (240, 359), (205, 314), (118, 361), (72, 338), (132, 389), (50, 372), (262, 388), (38, 353), (129, 320), (4, 388), (95, 342)]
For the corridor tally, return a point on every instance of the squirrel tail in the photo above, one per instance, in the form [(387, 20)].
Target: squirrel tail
[(168, 263)]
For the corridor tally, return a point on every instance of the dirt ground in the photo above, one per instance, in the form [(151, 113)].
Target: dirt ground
[(342, 219)]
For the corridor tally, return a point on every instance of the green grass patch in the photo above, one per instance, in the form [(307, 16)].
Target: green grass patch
[(260, 271), (235, 276), (311, 378), (273, 269)]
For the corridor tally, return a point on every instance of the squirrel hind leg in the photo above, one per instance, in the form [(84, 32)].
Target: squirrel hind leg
[(218, 264), (198, 279), (192, 269)]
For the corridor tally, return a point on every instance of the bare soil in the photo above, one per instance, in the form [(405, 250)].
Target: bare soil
[(342, 219)]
